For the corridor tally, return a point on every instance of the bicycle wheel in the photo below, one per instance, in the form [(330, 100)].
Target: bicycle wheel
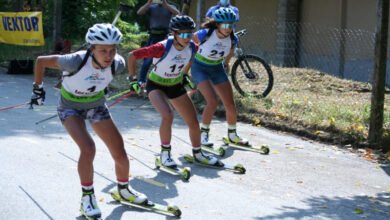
[(252, 76)]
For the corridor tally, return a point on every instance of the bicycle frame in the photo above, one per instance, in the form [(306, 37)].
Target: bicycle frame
[(253, 69), (240, 53)]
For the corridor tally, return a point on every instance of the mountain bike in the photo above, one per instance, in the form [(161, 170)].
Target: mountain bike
[(251, 75)]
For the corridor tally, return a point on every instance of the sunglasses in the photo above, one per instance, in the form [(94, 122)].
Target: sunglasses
[(185, 35), (226, 25)]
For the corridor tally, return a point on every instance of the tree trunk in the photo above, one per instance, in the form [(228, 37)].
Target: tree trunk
[(378, 91), (57, 19)]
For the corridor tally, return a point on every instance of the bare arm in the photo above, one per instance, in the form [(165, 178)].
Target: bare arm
[(170, 8), (226, 63), (229, 56), (186, 68), (144, 8), (131, 65), (195, 38), (43, 62)]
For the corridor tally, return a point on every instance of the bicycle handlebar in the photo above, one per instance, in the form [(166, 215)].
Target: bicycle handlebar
[(241, 33)]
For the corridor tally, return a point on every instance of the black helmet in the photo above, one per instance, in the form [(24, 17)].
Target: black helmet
[(181, 22)]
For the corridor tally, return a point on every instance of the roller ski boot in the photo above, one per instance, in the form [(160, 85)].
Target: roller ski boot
[(130, 195), (233, 140), (89, 208), (207, 145), (165, 158), (200, 158), (167, 164), (148, 205)]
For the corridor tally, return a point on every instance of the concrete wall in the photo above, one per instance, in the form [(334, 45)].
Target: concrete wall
[(334, 36)]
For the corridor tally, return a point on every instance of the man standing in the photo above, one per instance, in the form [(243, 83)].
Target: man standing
[(160, 12), (222, 3)]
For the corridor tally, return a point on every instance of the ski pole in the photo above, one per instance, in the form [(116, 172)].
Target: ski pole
[(138, 106), (14, 106), (121, 98), (122, 8), (118, 95), (46, 119)]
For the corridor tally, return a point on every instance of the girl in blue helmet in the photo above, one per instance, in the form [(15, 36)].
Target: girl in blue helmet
[(82, 98), (216, 47)]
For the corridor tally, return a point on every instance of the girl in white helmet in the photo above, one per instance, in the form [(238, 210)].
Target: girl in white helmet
[(82, 98)]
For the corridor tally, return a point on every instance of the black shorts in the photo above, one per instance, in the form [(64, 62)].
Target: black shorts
[(171, 91)]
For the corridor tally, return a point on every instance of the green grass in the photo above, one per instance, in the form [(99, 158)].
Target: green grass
[(315, 105)]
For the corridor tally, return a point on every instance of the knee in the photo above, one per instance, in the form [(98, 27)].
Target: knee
[(88, 151), (230, 107), (120, 156), (167, 117), (193, 124), (212, 103)]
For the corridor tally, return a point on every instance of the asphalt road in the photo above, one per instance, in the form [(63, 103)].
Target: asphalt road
[(297, 180)]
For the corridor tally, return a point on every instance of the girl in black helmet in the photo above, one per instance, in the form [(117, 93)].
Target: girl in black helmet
[(171, 61), (82, 98)]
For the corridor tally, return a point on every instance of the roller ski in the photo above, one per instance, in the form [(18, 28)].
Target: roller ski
[(220, 151), (184, 173), (89, 209), (199, 158), (148, 205), (233, 140), (208, 146)]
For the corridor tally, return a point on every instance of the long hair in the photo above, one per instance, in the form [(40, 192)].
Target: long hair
[(210, 23)]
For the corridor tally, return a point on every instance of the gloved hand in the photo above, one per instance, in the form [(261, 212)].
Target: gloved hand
[(134, 85), (188, 82), (38, 95)]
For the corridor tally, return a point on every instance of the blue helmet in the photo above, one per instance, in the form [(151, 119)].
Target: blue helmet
[(224, 15)]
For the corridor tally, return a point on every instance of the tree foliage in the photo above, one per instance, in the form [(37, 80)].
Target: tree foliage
[(79, 15)]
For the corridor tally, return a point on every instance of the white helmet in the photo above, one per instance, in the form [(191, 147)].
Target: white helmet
[(103, 34)]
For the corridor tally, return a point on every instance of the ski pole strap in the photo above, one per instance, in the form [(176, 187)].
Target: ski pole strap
[(82, 99)]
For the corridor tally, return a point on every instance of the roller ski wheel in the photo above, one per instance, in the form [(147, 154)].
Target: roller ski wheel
[(238, 168), (184, 173), (149, 206), (263, 149), (220, 151)]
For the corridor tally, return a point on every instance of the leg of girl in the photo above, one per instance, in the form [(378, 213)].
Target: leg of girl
[(209, 95), (110, 135), (160, 103), (186, 109), (77, 130), (225, 92)]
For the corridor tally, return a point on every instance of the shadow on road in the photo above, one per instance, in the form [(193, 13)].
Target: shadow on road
[(365, 207)]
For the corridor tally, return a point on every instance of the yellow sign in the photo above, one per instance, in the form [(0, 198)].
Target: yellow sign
[(21, 28)]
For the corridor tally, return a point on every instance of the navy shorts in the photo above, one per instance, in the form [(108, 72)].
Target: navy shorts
[(171, 91), (215, 73), (93, 115)]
